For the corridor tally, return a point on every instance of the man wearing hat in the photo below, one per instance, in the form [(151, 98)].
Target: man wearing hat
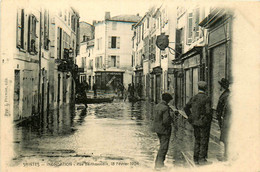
[(223, 115), (162, 126), (199, 113)]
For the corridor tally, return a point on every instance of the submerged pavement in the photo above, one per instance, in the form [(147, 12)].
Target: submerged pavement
[(109, 134)]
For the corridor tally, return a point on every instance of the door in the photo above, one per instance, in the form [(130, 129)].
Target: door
[(218, 70), (16, 94), (158, 89)]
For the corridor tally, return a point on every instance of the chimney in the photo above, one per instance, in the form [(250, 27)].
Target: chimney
[(137, 14), (107, 16), (94, 22)]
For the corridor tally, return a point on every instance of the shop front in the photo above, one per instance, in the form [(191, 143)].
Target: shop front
[(108, 80), (219, 46)]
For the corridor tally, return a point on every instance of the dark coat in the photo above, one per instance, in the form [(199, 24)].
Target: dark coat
[(198, 110), (224, 114), (162, 119)]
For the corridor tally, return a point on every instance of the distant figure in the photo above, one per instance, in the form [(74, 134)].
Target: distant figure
[(95, 89), (130, 90), (199, 113), (223, 116), (162, 126)]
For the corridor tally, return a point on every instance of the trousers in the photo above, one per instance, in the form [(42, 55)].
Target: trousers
[(201, 135), (164, 145)]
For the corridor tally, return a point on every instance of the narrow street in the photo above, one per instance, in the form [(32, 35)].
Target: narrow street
[(101, 135)]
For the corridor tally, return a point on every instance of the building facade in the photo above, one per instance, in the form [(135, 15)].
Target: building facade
[(36, 82), (113, 52), (153, 67)]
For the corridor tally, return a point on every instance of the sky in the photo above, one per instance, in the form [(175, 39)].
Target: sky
[(90, 10)]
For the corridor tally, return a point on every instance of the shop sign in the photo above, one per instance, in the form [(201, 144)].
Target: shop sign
[(157, 70)]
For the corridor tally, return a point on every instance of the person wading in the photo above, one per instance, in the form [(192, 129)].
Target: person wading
[(162, 126), (199, 113)]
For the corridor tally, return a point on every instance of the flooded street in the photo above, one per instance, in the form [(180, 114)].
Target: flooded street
[(117, 133)]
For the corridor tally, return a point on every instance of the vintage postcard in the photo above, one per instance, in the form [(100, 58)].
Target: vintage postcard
[(128, 85)]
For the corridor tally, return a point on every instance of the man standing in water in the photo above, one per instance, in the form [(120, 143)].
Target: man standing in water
[(199, 113), (162, 126)]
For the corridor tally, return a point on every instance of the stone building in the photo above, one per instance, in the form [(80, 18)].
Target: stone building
[(35, 81)]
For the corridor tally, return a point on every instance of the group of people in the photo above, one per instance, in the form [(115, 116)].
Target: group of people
[(199, 112)]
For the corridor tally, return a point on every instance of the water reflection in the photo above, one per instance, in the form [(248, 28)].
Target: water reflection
[(107, 131)]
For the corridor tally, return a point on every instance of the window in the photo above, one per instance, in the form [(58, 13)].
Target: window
[(147, 22), (46, 30), (142, 31), (66, 40), (69, 19), (189, 34), (32, 37), (59, 42), (197, 18), (114, 25), (179, 42), (20, 28), (113, 61), (98, 62), (90, 64), (65, 15), (99, 43), (114, 42), (73, 23)]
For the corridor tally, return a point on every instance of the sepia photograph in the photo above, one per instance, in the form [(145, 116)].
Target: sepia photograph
[(130, 85)]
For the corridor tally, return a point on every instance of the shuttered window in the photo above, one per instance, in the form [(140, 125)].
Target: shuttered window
[(59, 42), (189, 28), (113, 61), (46, 30), (117, 61), (196, 22), (20, 41), (32, 37), (114, 42)]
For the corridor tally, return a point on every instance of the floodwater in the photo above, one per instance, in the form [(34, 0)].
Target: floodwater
[(108, 134)]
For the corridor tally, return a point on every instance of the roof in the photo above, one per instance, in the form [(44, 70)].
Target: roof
[(126, 18)]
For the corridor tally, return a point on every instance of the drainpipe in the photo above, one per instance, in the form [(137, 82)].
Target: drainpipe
[(40, 45)]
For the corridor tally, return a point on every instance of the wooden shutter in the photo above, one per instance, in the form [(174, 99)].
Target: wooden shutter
[(190, 29), (19, 30), (101, 61), (109, 41), (117, 61), (118, 42), (30, 30), (109, 61), (58, 43), (35, 35)]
